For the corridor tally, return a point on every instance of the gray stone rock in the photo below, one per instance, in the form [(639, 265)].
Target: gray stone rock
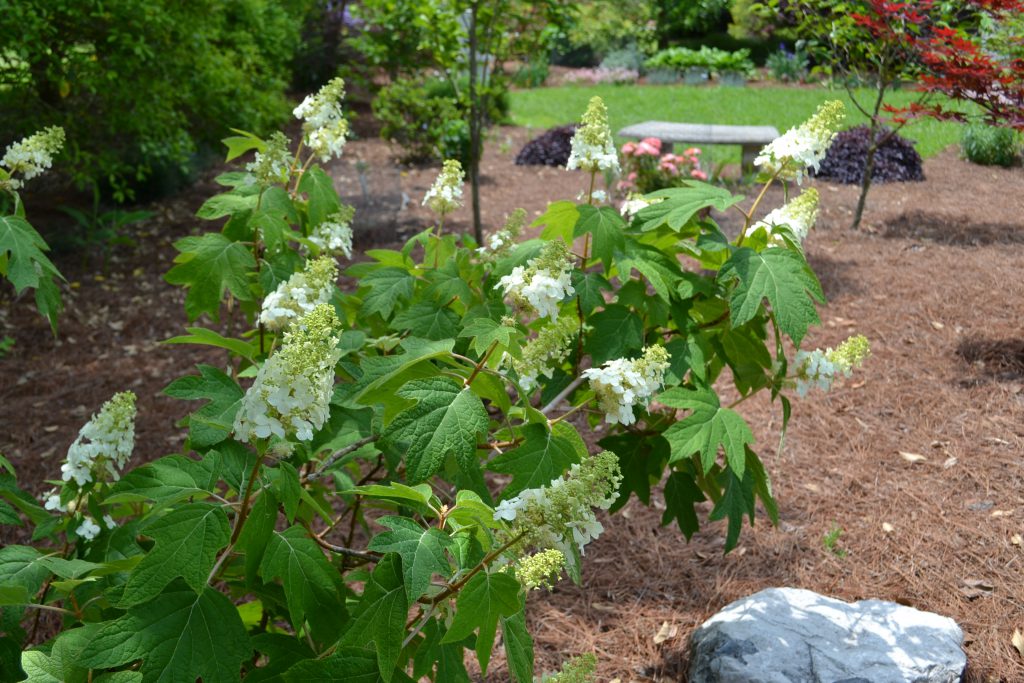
[(789, 635)]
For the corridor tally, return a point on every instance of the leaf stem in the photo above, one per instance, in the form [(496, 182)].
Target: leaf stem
[(483, 361), (337, 455), (562, 395)]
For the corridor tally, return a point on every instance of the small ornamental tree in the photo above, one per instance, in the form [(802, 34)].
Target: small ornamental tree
[(334, 514)]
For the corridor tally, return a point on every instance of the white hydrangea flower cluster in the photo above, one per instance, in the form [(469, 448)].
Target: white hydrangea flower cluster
[(821, 369), (273, 165), (300, 294), (445, 195), (561, 515), (292, 390), (104, 444), (805, 146), (634, 204), (592, 146), (799, 215), (324, 126), (621, 383), (548, 349), (52, 501), (334, 235), (500, 243), (540, 570), (545, 281), (31, 156), (89, 529)]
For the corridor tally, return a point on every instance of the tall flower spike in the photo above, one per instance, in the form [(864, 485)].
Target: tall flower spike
[(292, 390), (445, 195), (550, 347), (822, 368), (620, 384), (31, 156), (324, 127), (544, 282), (272, 166), (300, 294), (799, 215), (805, 146), (104, 444), (592, 147), (334, 235), (500, 243)]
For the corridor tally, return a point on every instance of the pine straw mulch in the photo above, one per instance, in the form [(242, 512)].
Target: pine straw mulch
[(933, 281)]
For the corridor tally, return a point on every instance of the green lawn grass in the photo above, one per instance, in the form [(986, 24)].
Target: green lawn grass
[(782, 107)]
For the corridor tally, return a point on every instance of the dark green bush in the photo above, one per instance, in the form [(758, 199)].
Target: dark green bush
[(143, 86), (989, 145), (425, 119)]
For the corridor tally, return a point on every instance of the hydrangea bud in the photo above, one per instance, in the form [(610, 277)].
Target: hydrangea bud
[(292, 390), (272, 166), (334, 235), (445, 195), (548, 349), (500, 243), (799, 215), (324, 126), (540, 570), (561, 515), (31, 156), (300, 294), (804, 146), (104, 444), (621, 383), (822, 368), (544, 282), (592, 146)]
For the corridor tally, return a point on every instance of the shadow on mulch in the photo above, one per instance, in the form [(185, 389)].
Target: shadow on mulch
[(835, 275), (996, 359), (920, 225)]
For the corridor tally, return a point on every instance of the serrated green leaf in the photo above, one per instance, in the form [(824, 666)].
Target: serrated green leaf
[(19, 567), (187, 541), (241, 198), (783, 278), (681, 494), (762, 485), (201, 335), (518, 647), (446, 420), (208, 266), (13, 594), (387, 286), (541, 457), (163, 481), (737, 500), (559, 221), (485, 597), (588, 288), (485, 332), (9, 515), (179, 636), (214, 422), (641, 461), (447, 283), (681, 204), (383, 375), (617, 332), (706, 428), (346, 665), (381, 614), (660, 270), (24, 247), (323, 198), (306, 575), (10, 660), (422, 552), (240, 144), (606, 226), (427, 320)]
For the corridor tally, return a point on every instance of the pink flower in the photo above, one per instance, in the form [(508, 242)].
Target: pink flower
[(629, 148), (645, 148), (653, 142), (626, 185), (692, 152), (698, 174), (671, 159), (669, 168), (631, 177)]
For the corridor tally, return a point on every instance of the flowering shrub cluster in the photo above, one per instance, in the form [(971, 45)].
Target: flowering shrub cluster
[(375, 481), (895, 160), (646, 169)]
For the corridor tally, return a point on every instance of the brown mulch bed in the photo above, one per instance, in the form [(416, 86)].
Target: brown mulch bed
[(933, 280)]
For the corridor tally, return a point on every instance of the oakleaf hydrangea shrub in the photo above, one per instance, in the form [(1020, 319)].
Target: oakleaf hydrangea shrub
[(550, 148), (377, 480), (896, 161)]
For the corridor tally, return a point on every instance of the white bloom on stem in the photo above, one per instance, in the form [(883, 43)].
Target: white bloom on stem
[(445, 195), (622, 383), (324, 126), (821, 369), (804, 146), (109, 521), (799, 215), (89, 529), (105, 443), (545, 281), (334, 235), (592, 146), (52, 501), (541, 354), (300, 294), (634, 204), (32, 155), (292, 390), (273, 165)]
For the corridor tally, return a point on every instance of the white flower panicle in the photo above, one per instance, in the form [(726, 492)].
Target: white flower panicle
[(561, 515), (273, 165), (548, 349), (500, 243), (634, 204), (292, 390), (52, 501), (621, 383), (103, 446), (592, 146), (334, 235), (31, 156), (89, 529), (822, 368), (324, 126), (540, 570), (300, 294), (803, 147), (544, 282), (799, 215), (445, 195)]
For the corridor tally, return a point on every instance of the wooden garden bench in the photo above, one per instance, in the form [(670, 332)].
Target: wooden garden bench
[(750, 138)]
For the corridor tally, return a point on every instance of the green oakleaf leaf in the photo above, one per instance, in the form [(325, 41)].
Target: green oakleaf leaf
[(606, 225), (617, 332), (19, 567), (559, 221), (588, 288), (24, 247), (706, 428), (345, 665), (681, 494), (387, 286), (427, 320), (641, 460), (681, 204), (447, 283), (207, 266), (661, 271), (214, 422), (381, 614), (737, 500), (783, 277), (541, 457), (518, 647), (484, 598), (446, 419), (187, 541), (171, 478), (486, 331), (323, 198), (422, 552), (179, 637)]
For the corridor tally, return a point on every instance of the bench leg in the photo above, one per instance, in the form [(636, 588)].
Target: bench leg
[(748, 155)]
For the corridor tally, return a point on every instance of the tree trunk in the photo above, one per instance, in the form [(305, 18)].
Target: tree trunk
[(865, 183), (475, 116)]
